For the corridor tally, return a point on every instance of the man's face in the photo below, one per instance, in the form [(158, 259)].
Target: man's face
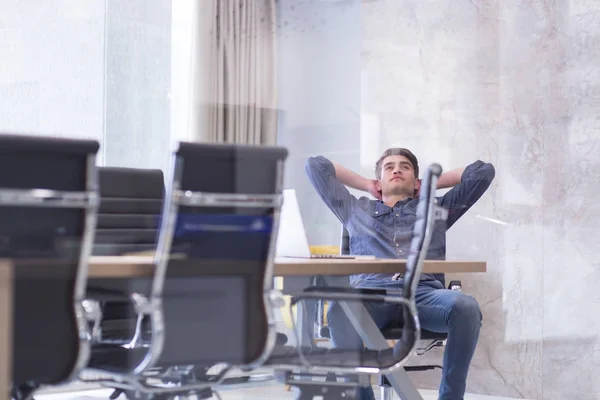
[(398, 176)]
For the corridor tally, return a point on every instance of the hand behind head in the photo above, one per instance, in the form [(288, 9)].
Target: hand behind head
[(374, 189)]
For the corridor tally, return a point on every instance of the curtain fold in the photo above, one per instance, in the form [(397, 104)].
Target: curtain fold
[(235, 72)]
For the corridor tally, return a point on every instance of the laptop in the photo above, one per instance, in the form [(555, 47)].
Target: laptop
[(291, 238)]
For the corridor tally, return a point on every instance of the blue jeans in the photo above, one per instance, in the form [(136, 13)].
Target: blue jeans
[(440, 310)]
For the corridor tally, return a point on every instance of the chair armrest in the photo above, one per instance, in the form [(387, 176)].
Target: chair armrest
[(107, 295), (135, 300), (403, 347), (138, 301), (333, 293), (338, 289), (93, 316), (337, 293)]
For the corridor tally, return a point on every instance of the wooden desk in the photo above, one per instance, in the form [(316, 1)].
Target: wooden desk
[(136, 266), (140, 266), (6, 302)]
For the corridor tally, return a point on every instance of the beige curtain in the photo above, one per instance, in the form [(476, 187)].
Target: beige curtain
[(234, 72)]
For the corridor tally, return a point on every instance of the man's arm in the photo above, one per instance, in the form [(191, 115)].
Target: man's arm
[(356, 181), (329, 179), (450, 179), (349, 178), (472, 183)]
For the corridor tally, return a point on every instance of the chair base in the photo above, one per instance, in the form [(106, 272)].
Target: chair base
[(337, 387), (387, 392), (183, 376), (23, 392), (334, 387), (133, 395)]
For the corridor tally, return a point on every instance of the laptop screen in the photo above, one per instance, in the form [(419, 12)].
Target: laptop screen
[(291, 240)]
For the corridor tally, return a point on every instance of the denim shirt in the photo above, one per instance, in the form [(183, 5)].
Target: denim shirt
[(386, 232)]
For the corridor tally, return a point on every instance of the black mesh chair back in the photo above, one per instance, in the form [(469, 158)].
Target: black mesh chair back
[(48, 207), (130, 206), (221, 214), (208, 299)]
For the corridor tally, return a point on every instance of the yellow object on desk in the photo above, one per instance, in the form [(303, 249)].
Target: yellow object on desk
[(325, 249)]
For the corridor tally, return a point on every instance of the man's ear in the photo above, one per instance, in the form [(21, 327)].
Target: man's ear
[(417, 187), (378, 185)]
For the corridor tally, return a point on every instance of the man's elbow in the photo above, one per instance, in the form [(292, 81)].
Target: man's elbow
[(311, 165), (490, 171), (487, 172), (317, 165)]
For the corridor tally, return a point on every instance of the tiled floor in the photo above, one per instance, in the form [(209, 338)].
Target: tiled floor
[(270, 391)]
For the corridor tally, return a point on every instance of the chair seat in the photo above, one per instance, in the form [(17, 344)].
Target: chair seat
[(288, 355), (114, 358)]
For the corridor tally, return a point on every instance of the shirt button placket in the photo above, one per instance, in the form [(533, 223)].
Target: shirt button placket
[(399, 223)]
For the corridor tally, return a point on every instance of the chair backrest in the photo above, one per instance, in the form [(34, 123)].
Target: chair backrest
[(345, 241), (130, 206), (422, 231), (48, 207), (221, 212)]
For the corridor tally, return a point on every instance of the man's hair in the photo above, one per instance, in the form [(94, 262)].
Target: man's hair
[(397, 151)]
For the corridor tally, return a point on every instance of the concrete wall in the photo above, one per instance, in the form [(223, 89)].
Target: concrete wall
[(513, 83)]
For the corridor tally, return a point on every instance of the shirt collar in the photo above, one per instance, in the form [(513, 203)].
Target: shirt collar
[(398, 203)]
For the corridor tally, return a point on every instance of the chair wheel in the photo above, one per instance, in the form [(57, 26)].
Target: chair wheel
[(236, 380), (133, 395), (22, 392), (206, 393)]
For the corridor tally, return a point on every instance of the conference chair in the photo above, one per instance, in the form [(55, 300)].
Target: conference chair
[(48, 210), (429, 340), (130, 206), (214, 276)]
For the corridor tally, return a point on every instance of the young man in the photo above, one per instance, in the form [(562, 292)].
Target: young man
[(383, 228)]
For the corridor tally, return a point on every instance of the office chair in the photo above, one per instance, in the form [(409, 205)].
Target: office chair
[(215, 254), (434, 339), (48, 210), (298, 363), (131, 201), (128, 334)]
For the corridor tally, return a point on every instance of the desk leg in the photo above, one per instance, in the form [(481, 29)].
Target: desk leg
[(371, 335), (6, 303), (305, 311), (304, 320)]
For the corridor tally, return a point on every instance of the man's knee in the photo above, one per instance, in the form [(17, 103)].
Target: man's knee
[(341, 330), (335, 314), (337, 320), (465, 307)]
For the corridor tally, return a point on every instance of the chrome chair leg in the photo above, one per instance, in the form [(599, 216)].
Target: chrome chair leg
[(387, 393)]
